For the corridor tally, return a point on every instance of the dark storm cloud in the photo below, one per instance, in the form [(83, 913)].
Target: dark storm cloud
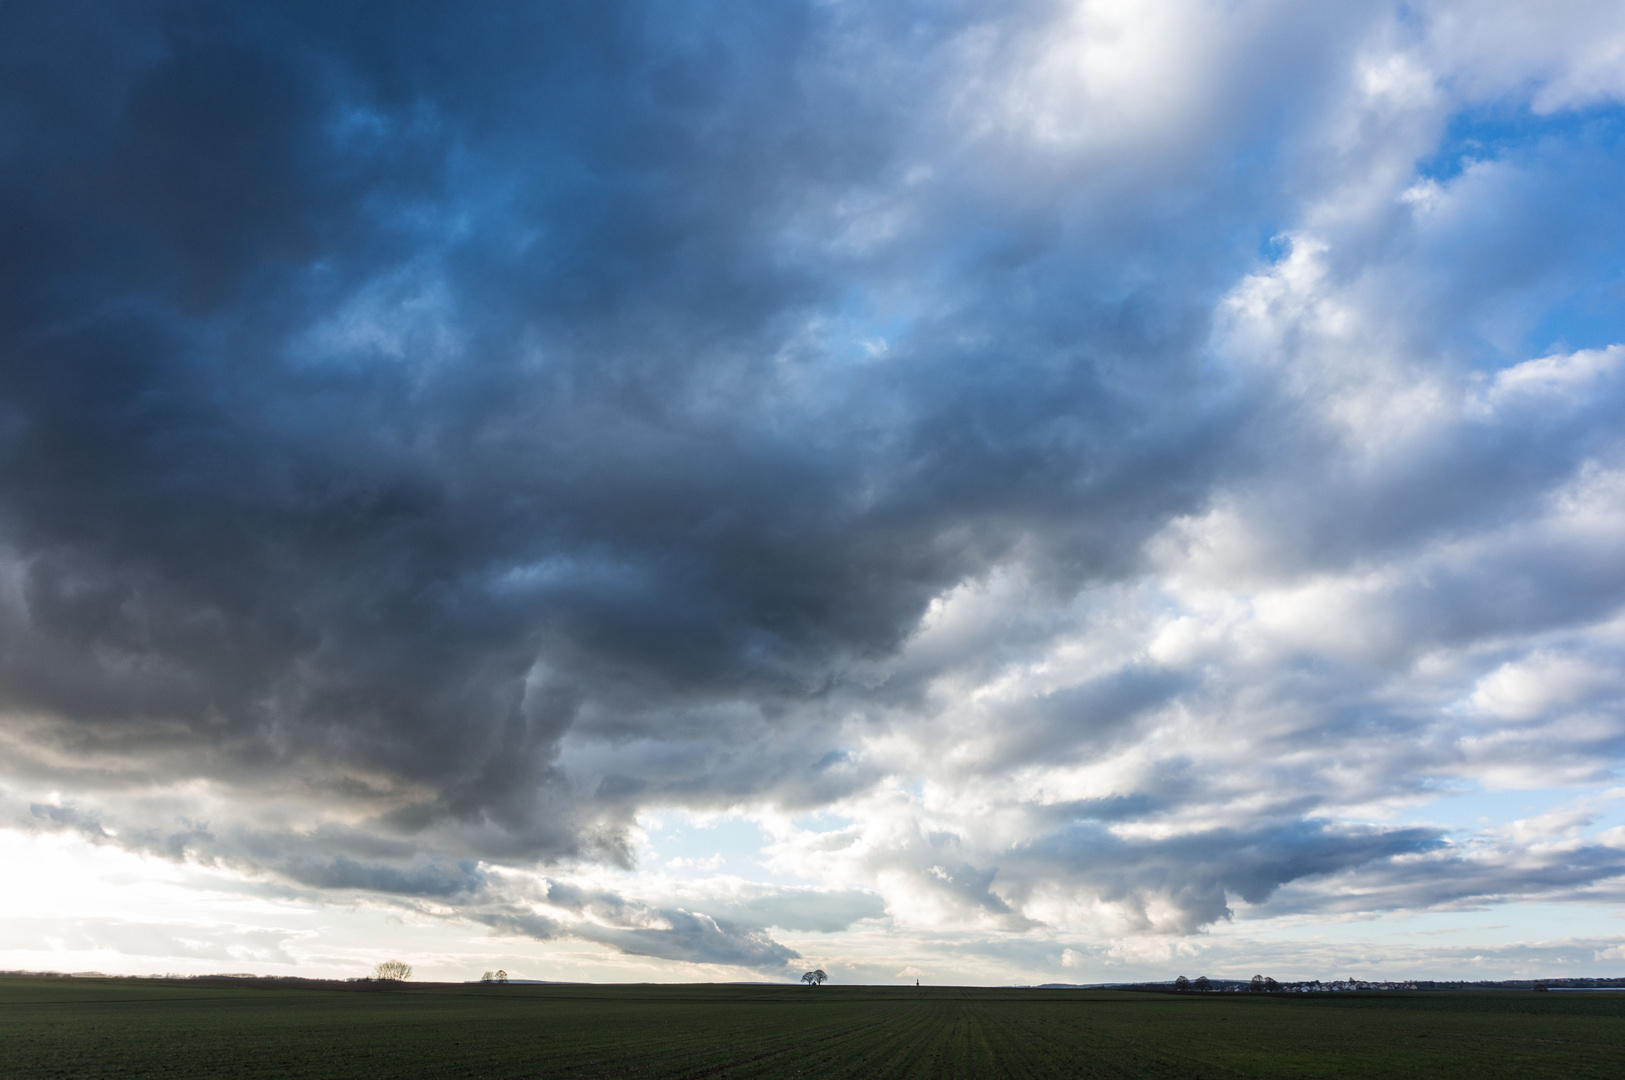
[(1197, 872), (329, 859), (403, 393), (282, 552), (1468, 876)]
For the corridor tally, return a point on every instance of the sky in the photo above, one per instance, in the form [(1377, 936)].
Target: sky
[(1010, 492)]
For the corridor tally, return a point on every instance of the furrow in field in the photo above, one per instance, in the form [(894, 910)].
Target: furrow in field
[(851, 1052), (895, 1051), (840, 1053), (709, 1053), (1019, 1045)]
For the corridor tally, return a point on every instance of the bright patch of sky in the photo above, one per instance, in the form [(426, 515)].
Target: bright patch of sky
[(693, 848)]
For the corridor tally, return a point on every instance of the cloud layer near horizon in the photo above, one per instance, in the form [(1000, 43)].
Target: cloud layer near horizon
[(1083, 467)]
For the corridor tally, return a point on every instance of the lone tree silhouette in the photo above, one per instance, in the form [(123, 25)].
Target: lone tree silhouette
[(1257, 986), (814, 978), (392, 971), (1182, 983), (1201, 983)]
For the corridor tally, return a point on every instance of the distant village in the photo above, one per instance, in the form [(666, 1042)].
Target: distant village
[(1262, 984)]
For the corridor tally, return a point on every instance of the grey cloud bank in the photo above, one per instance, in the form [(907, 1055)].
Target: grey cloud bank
[(1112, 465)]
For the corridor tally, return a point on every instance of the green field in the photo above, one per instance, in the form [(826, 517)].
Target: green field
[(131, 1029)]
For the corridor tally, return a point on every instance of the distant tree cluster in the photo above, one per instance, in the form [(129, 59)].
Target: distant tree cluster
[(392, 971), (1263, 984), (497, 976), (815, 977)]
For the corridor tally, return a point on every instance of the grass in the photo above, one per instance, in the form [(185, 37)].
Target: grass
[(91, 1028)]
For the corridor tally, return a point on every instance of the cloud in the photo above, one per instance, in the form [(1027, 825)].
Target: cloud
[(724, 924), (220, 943), (673, 935), (1110, 459)]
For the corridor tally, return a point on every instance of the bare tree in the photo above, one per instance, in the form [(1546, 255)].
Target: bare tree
[(392, 971), (815, 977), (1270, 985), (1201, 983), (1182, 983), (502, 976)]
